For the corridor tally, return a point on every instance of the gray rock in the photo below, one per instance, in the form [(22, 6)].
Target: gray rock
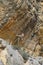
[(10, 56), (24, 54), (32, 61), (14, 58), (1, 63), (40, 60)]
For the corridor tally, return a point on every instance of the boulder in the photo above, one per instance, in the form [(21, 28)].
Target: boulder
[(39, 59), (9, 56), (32, 61), (15, 56)]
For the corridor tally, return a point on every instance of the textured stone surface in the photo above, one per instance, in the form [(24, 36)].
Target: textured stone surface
[(21, 24), (10, 56), (19, 15), (32, 61)]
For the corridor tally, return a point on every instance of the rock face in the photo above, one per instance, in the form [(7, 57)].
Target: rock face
[(34, 61), (17, 17), (9, 56), (40, 60), (16, 58), (21, 25)]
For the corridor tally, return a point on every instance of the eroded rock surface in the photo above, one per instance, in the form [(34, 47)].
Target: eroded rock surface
[(21, 25), (9, 56)]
